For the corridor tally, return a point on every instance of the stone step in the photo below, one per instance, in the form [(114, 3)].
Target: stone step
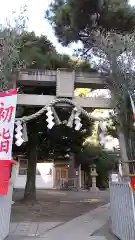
[(88, 238), (97, 238), (35, 238)]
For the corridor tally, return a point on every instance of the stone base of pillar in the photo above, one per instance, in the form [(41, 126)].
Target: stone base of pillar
[(94, 189)]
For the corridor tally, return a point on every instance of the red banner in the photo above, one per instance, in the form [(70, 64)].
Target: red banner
[(132, 183), (5, 167), (7, 119)]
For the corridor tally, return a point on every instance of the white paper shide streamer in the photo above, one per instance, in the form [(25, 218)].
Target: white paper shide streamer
[(50, 118), (78, 123), (19, 133)]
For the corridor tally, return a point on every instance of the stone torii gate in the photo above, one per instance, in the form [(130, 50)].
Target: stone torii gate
[(64, 82)]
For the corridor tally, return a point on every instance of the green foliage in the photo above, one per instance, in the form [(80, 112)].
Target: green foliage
[(10, 44), (74, 20), (34, 50), (102, 157), (39, 53), (116, 63), (105, 162), (111, 128), (82, 92), (117, 15), (62, 140)]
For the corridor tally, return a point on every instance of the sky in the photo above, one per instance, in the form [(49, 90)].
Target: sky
[(36, 22)]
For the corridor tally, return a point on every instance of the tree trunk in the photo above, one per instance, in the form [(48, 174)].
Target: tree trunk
[(124, 156), (127, 136), (30, 188), (71, 169)]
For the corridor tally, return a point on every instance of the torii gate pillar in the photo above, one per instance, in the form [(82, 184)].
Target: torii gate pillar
[(65, 83)]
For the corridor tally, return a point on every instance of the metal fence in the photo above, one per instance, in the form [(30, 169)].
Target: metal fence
[(68, 184), (122, 206)]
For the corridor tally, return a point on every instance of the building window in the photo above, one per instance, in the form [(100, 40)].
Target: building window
[(23, 166), (22, 171)]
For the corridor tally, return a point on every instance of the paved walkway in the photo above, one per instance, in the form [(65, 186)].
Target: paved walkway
[(56, 206), (83, 227), (106, 231)]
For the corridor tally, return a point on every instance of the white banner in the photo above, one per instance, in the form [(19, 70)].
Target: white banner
[(8, 103)]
